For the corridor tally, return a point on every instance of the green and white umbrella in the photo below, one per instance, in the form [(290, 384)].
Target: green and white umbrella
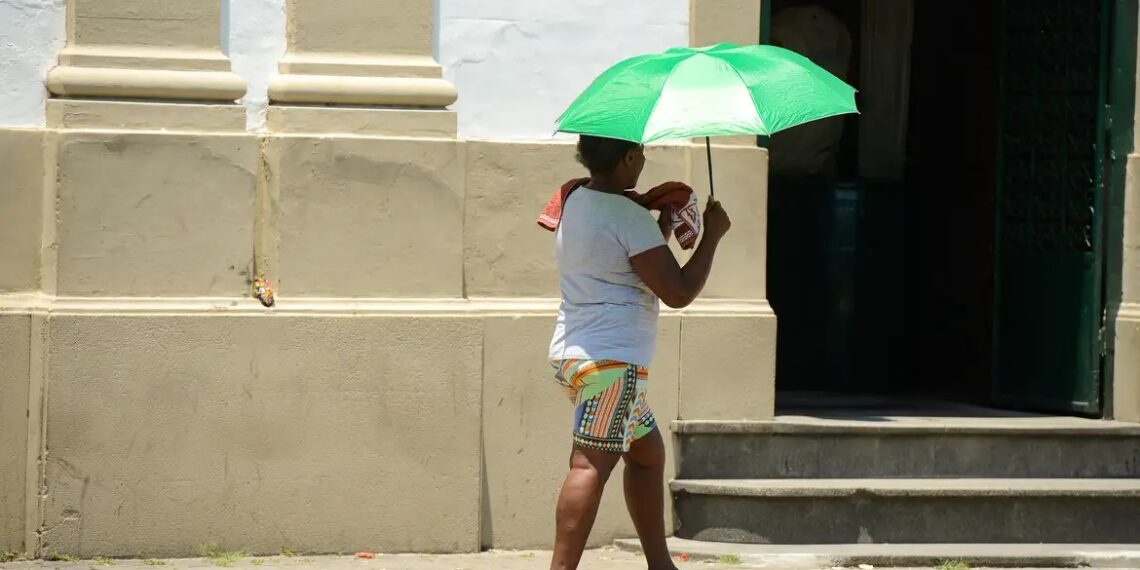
[(705, 92)]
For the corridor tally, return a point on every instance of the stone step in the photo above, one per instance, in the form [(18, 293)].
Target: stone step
[(856, 511), (878, 447), (814, 556)]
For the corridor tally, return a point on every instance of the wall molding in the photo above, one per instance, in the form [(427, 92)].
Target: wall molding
[(36, 303)]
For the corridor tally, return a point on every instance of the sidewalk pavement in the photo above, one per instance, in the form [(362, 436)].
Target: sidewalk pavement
[(602, 559)]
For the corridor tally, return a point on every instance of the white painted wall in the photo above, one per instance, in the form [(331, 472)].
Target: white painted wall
[(31, 34), (519, 64), (516, 64), (256, 41)]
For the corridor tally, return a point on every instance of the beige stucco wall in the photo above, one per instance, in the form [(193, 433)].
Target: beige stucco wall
[(741, 179), (1126, 357), (22, 168), (154, 214), (508, 184), (320, 432), (397, 397), (1126, 395), (398, 393), (317, 433), (1126, 377), (369, 217), (15, 374), (715, 21), (719, 383), (506, 254)]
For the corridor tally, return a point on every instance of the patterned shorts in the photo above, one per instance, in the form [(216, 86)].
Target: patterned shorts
[(611, 410)]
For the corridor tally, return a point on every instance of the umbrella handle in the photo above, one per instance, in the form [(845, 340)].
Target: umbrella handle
[(708, 152)]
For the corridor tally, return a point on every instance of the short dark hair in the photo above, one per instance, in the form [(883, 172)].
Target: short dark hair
[(602, 155)]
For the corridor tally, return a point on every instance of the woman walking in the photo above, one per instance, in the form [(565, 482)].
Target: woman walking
[(614, 265)]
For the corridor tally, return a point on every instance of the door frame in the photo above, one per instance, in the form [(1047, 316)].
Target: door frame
[(1120, 117)]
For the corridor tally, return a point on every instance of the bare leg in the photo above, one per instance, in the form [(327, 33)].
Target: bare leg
[(578, 504), (645, 497)]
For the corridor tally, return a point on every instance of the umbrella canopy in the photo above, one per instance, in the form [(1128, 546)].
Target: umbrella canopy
[(702, 92)]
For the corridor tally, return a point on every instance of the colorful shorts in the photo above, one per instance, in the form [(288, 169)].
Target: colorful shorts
[(611, 410)]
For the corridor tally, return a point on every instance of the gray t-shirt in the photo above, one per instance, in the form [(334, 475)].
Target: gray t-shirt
[(607, 313)]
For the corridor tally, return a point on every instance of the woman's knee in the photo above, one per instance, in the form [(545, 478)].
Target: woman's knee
[(647, 452)]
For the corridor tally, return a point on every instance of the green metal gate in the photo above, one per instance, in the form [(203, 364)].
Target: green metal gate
[(1051, 203)]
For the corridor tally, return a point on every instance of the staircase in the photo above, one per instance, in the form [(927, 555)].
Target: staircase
[(863, 478)]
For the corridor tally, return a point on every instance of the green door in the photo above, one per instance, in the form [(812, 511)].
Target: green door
[(1049, 298)]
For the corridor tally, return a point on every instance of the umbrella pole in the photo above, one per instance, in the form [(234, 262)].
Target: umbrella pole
[(708, 151)]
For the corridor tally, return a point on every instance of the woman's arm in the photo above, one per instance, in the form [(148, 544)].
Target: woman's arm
[(678, 286)]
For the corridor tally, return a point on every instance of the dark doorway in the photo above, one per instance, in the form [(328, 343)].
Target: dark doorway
[(951, 183), (929, 283), (883, 286)]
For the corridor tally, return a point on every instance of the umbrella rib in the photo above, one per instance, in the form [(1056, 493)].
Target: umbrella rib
[(630, 63), (814, 72), (657, 101), (644, 60), (755, 103), (797, 67), (815, 118)]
